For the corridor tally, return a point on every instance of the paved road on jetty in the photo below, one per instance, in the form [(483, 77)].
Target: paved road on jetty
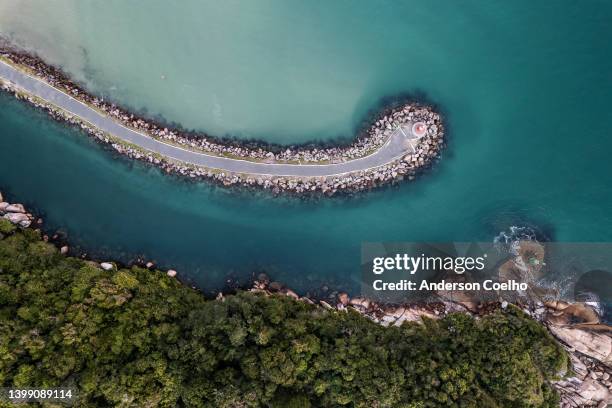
[(397, 145)]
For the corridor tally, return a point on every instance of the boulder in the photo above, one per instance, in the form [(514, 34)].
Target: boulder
[(18, 218), (398, 315), (343, 298), (64, 250), (325, 304), (579, 367), (591, 390), (150, 265), (360, 302), (15, 208), (593, 344), (291, 294), (107, 266), (3, 205), (576, 312), (171, 273)]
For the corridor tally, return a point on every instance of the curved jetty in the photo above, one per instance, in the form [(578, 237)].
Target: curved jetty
[(403, 140)]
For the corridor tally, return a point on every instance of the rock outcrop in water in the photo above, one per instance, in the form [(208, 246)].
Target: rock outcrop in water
[(15, 213)]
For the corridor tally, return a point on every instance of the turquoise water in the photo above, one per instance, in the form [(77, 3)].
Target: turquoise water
[(525, 89)]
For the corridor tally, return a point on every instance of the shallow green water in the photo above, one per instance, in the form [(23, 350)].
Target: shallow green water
[(525, 90)]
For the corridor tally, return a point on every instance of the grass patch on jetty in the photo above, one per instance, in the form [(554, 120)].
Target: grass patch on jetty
[(135, 337)]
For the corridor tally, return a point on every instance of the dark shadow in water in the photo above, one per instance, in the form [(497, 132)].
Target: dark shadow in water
[(596, 285), (512, 222)]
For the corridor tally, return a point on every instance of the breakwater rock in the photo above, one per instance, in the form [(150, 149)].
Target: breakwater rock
[(422, 146)]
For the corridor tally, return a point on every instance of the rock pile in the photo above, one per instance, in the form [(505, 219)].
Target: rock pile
[(427, 149), (589, 387), (15, 213), (590, 348)]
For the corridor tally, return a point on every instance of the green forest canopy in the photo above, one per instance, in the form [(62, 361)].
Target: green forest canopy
[(136, 337)]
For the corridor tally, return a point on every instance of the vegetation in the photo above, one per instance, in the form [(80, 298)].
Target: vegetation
[(138, 338)]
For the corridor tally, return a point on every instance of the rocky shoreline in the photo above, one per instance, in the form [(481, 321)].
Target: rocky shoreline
[(575, 325), (589, 348), (427, 150)]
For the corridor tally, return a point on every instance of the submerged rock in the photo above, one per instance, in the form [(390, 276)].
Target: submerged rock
[(275, 286)]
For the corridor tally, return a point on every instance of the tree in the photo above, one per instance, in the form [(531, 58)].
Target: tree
[(135, 338)]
